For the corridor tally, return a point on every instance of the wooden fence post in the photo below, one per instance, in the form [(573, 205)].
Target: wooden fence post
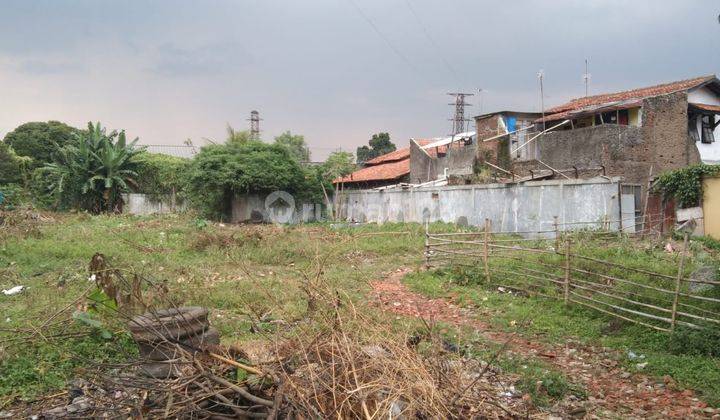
[(485, 250), (557, 234), (566, 283), (678, 281), (427, 246)]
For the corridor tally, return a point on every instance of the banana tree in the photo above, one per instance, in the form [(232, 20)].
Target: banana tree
[(93, 171)]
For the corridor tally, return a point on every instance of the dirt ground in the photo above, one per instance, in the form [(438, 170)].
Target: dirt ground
[(612, 390)]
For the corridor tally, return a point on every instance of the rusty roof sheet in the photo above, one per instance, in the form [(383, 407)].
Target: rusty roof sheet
[(706, 107), (594, 109)]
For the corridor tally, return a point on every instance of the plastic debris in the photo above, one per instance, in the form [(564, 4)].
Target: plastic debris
[(13, 290)]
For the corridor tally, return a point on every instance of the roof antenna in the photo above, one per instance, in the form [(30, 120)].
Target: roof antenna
[(586, 77), (541, 75)]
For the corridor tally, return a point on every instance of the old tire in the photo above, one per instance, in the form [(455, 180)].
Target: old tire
[(175, 324), (164, 350)]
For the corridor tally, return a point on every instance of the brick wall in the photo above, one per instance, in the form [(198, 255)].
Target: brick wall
[(661, 142)]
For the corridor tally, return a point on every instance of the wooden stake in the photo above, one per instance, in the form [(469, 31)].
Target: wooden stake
[(567, 270), (427, 246), (557, 234), (677, 282), (645, 205), (485, 250)]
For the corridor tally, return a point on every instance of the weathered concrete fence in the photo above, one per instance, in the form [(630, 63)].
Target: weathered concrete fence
[(145, 204), (530, 206)]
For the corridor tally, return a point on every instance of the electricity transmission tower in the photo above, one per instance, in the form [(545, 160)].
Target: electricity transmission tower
[(459, 104), (254, 125)]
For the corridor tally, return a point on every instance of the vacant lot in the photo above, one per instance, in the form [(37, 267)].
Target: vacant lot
[(259, 282)]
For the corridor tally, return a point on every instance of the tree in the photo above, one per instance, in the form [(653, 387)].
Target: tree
[(92, 171), (338, 164), (380, 144), (237, 137), (9, 165), (295, 144), (220, 171), (39, 140)]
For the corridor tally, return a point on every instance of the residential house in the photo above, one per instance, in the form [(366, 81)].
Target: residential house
[(425, 160), (635, 134)]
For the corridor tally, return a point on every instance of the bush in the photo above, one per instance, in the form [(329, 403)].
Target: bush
[(695, 342), (685, 185), (9, 165), (11, 196), (160, 174), (219, 172)]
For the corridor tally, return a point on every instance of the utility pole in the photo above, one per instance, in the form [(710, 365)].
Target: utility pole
[(459, 104), (480, 95), (586, 78), (254, 125), (541, 75)]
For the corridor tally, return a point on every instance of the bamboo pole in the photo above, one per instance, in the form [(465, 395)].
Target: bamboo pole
[(427, 245), (485, 250), (567, 270), (679, 280)]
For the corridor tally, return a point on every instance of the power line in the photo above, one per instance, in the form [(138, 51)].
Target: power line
[(432, 41), (381, 35)]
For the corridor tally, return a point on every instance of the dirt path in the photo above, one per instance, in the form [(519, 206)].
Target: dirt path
[(612, 390)]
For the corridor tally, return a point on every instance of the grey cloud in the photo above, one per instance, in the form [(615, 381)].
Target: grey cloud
[(47, 67), (204, 60)]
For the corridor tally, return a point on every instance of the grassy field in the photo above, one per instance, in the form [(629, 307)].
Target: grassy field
[(690, 357), (246, 274), (252, 277)]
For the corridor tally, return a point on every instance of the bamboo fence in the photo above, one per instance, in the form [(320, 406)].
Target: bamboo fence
[(551, 263)]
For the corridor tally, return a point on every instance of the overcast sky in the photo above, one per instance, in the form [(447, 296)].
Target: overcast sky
[(335, 71)]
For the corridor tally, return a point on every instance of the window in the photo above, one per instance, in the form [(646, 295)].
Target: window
[(693, 127), (708, 125), (619, 117)]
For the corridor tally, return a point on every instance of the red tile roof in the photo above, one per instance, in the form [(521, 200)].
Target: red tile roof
[(388, 167), (398, 154), (561, 111), (384, 172)]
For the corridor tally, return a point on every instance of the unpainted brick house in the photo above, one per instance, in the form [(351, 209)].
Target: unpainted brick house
[(635, 134)]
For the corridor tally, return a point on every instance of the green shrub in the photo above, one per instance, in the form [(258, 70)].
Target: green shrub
[(685, 185), (160, 174), (11, 196), (9, 165), (220, 171), (695, 342)]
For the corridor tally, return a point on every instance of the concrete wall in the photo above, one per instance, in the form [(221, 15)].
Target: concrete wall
[(143, 204), (252, 208), (530, 206), (711, 207), (459, 160), (422, 165)]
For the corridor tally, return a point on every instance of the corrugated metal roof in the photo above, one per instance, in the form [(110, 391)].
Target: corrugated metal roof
[(182, 151)]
